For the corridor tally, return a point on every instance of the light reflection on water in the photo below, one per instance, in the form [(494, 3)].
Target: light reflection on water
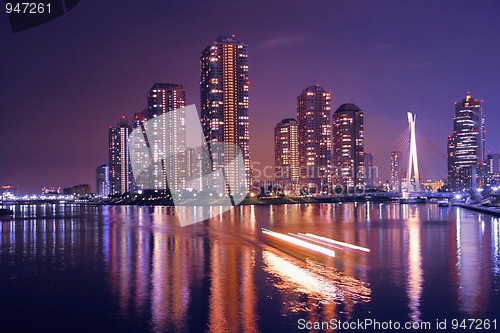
[(150, 274), (318, 281)]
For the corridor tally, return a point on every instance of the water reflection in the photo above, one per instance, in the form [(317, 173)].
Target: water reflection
[(220, 275), (414, 284), (318, 281), (472, 259)]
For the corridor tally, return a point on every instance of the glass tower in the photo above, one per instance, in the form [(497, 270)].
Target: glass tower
[(466, 153)]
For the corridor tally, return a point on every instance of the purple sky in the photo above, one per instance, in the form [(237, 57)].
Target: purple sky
[(65, 82)]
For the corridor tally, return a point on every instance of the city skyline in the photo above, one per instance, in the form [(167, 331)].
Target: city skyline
[(81, 83)]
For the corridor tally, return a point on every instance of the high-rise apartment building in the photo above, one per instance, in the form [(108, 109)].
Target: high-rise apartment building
[(120, 172), (164, 98), (169, 140), (348, 147), (286, 154), (314, 138), (224, 99), (466, 154), (395, 176), (102, 180)]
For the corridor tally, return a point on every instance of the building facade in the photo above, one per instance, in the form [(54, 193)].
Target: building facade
[(286, 154), (224, 89), (170, 140), (466, 153), (102, 180), (121, 179), (371, 171), (164, 98), (314, 138), (348, 147), (395, 182), (493, 169)]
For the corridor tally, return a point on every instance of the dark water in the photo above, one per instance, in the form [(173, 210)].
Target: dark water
[(75, 268)]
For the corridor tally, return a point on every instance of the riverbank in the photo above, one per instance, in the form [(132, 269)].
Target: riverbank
[(492, 210)]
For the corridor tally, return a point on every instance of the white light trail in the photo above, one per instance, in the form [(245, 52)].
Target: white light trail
[(331, 241), (299, 242)]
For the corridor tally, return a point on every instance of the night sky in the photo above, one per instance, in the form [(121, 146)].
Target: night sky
[(65, 82)]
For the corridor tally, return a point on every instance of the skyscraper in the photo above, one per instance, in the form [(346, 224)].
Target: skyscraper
[(224, 97), (286, 155), (102, 180), (314, 138), (466, 154), (395, 177), (161, 99), (120, 172), (164, 98), (348, 147)]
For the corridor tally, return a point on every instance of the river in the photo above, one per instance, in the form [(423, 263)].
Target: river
[(78, 268)]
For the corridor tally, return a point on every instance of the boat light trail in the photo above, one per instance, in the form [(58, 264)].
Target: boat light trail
[(299, 242), (331, 241)]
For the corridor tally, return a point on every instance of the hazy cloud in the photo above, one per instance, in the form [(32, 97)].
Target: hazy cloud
[(283, 40)]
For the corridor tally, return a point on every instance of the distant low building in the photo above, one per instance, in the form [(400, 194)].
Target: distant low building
[(9, 191), (81, 190), (51, 190), (430, 185)]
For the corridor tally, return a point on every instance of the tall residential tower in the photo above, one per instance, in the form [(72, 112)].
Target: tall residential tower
[(121, 179), (224, 96), (286, 155), (348, 147), (314, 136), (168, 140)]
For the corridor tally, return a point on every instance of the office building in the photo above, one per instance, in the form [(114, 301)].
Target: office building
[(224, 100), (286, 155), (348, 147), (314, 138), (466, 154)]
